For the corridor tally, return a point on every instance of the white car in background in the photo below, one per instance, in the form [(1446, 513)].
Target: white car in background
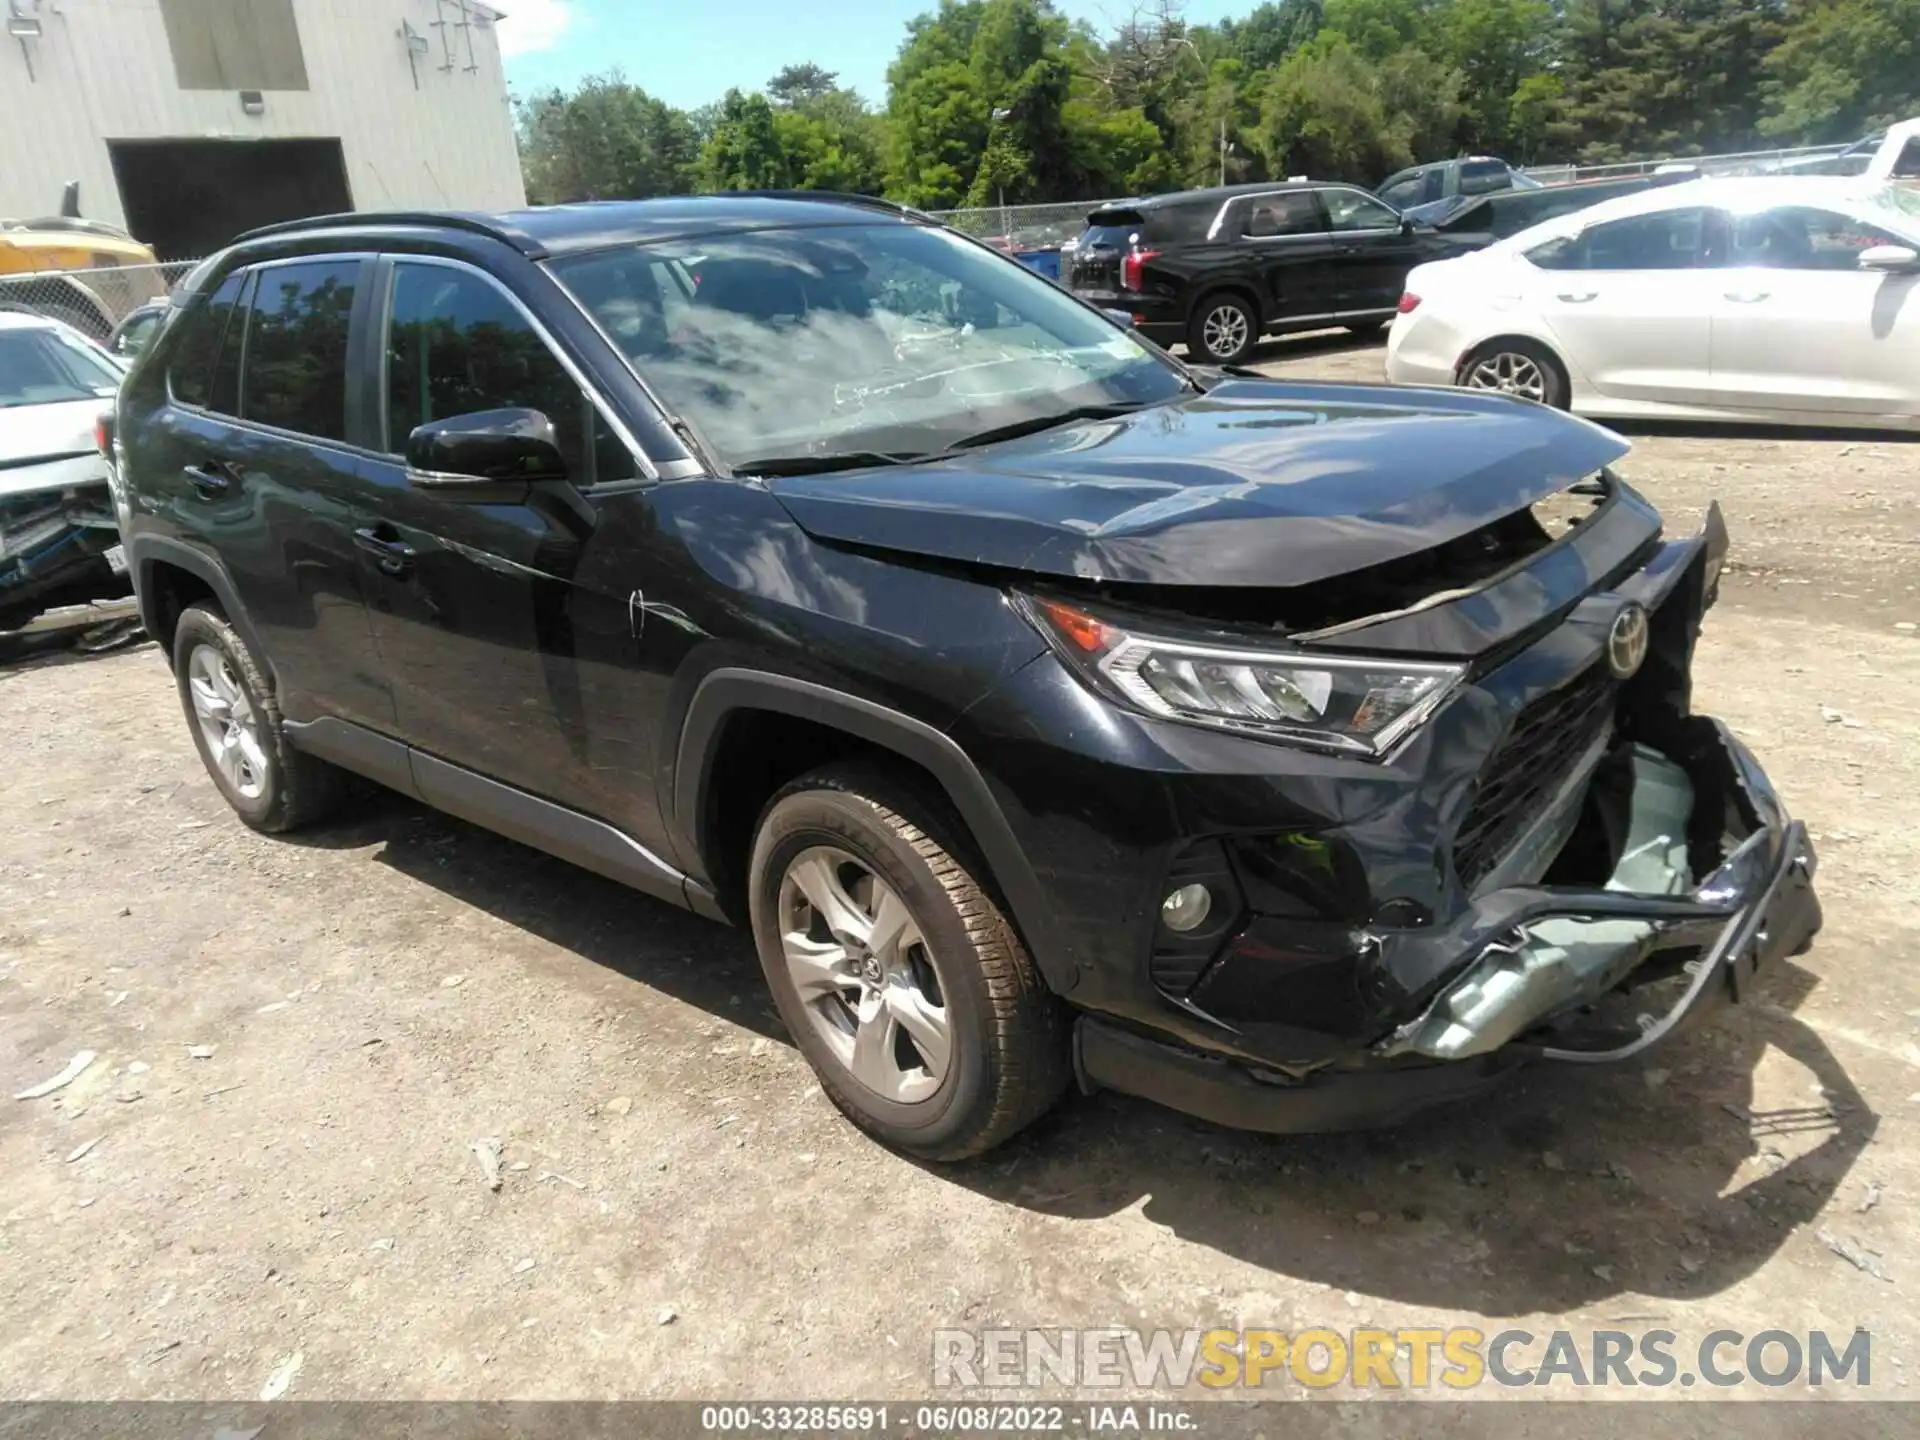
[(61, 565), (1780, 301)]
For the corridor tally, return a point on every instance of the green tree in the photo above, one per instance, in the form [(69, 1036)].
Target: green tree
[(1323, 116), (1269, 34), (745, 151), (1654, 77), (1535, 127), (1842, 68), (975, 74), (1379, 28), (1497, 46), (797, 85), (607, 140)]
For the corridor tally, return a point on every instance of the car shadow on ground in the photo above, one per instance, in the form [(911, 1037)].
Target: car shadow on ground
[(24, 654), (1562, 1190), (1565, 1189), (659, 945)]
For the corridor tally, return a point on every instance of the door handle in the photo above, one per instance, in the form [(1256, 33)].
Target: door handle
[(1578, 297), (211, 477), (394, 557), (1747, 297)]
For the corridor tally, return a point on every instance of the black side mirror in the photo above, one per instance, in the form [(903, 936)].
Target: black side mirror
[(1406, 225), (485, 449)]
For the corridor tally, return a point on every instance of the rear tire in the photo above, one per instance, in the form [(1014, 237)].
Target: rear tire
[(896, 972), (237, 728), (1222, 330), (1516, 366)]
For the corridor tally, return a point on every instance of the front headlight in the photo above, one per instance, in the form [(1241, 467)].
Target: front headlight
[(1348, 704)]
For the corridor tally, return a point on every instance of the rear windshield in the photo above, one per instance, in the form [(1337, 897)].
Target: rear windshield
[(1158, 224), (1112, 229), (1481, 177)]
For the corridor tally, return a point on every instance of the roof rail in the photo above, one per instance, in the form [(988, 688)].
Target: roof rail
[(842, 197), (470, 221)]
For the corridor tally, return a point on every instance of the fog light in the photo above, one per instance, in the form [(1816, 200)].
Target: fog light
[(1186, 908)]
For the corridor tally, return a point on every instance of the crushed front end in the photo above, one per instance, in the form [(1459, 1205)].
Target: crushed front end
[(61, 565), (1555, 861)]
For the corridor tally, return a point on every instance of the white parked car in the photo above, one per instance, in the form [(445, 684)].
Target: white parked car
[(1783, 301), (60, 559)]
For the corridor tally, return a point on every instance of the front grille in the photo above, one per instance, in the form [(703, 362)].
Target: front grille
[(1547, 740)]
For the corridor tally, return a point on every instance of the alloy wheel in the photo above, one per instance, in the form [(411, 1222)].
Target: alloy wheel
[(228, 721), (1225, 330), (863, 970), (1510, 373)]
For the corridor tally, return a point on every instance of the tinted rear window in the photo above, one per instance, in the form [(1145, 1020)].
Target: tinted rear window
[(1478, 177), (1188, 221), (1111, 237), (1158, 224), (296, 362), (201, 329), (1112, 228)]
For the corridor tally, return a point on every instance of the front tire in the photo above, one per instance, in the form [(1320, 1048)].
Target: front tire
[(897, 974), (1223, 330), (1514, 366), (237, 728)]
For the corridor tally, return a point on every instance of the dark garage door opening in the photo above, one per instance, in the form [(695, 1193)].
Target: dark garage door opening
[(187, 198)]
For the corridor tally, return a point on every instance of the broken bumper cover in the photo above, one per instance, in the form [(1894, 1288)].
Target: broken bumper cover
[(61, 565), (1755, 908)]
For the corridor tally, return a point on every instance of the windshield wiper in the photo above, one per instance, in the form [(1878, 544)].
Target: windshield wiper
[(1034, 424), (821, 464)]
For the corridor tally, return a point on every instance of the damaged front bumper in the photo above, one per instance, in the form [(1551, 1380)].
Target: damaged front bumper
[(1542, 954), (1540, 972), (61, 562)]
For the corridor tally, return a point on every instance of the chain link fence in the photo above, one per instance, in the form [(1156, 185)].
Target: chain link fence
[(1023, 227), (1749, 162), (92, 301)]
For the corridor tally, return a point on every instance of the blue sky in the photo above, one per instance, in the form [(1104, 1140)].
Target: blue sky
[(689, 53)]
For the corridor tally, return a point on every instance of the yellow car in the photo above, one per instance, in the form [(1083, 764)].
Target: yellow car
[(84, 272)]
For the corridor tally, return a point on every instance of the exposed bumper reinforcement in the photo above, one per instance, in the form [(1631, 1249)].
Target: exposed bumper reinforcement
[(1758, 907)]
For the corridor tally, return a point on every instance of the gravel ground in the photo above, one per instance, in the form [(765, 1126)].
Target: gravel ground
[(300, 1041)]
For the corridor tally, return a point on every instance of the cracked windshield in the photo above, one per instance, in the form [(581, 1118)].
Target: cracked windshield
[(882, 341)]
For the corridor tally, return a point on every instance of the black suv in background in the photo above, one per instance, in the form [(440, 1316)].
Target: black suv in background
[(1297, 755), (1219, 268)]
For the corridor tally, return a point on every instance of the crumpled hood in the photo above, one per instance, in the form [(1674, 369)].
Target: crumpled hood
[(1255, 483)]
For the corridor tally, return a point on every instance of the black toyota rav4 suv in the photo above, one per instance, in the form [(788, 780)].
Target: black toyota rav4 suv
[(1296, 755)]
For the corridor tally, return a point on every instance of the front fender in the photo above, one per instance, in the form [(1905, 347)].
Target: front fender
[(728, 691)]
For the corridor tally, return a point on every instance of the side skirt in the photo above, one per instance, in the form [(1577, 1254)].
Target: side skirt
[(580, 839)]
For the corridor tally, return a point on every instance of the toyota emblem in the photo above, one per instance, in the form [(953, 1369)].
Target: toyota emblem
[(1627, 640)]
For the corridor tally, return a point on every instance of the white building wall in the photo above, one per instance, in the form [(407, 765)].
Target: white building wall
[(103, 71)]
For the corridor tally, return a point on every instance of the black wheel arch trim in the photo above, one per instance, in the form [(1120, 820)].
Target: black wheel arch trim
[(144, 552), (729, 691)]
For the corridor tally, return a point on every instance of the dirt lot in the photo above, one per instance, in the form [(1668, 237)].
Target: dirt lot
[(300, 1040)]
